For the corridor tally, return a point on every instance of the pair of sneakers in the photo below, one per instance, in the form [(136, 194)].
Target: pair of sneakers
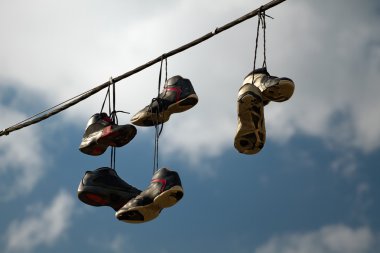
[(103, 186), (259, 88), (178, 95)]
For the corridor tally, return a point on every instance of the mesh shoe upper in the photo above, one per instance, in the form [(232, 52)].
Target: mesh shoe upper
[(103, 187), (178, 95), (164, 191)]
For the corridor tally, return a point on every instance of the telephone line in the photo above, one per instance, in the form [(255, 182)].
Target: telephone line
[(70, 102)]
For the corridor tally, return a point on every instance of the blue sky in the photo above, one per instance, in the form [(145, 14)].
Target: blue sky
[(314, 186)]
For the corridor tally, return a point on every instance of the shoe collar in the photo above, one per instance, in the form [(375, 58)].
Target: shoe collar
[(258, 71)]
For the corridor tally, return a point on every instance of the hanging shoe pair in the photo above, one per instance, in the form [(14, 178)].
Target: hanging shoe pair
[(258, 89), (178, 95), (103, 187)]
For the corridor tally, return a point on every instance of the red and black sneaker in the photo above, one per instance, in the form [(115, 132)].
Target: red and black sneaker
[(103, 187), (178, 95), (164, 191), (101, 132)]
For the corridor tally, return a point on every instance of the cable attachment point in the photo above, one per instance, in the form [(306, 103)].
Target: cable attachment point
[(215, 31), (111, 81)]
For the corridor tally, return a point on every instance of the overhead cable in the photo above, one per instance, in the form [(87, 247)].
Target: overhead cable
[(70, 102)]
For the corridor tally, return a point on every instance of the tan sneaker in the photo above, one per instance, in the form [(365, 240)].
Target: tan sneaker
[(250, 136), (272, 88)]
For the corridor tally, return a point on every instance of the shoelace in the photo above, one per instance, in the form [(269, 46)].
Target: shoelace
[(160, 109)]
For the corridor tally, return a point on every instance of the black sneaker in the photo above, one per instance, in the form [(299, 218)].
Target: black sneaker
[(277, 89), (165, 190), (103, 187), (102, 132), (250, 135), (178, 95)]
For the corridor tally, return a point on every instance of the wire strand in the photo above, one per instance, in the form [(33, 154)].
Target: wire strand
[(72, 101)]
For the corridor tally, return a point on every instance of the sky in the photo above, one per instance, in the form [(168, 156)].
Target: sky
[(312, 188)]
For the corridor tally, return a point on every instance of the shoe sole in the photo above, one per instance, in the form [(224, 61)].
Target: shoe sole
[(151, 119), (96, 196), (93, 148), (280, 92), (250, 139), (149, 212)]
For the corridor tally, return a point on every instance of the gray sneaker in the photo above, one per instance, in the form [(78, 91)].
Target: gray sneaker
[(277, 89)]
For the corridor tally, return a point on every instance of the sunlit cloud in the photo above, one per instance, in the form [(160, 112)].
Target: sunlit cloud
[(334, 72)]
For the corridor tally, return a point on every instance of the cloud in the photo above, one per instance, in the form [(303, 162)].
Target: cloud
[(334, 60), (43, 227), (345, 164), (363, 201), (22, 164), (117, 243), (328, 239), (332, 55)]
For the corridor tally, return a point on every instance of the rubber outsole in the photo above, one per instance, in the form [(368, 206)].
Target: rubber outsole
[(151, 211), (150, 118), (250, 139), (280, 92), (97, 196)]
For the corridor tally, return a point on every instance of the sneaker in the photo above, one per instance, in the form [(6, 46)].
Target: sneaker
[(102, 132), (272, 88), (250, 136), (165, 190), (178, 95), (103, 187)]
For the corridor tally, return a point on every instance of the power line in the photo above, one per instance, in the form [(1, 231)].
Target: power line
[(70, 102)]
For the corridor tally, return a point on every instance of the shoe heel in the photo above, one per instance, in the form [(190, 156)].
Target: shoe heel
[(93, 149), (181, 105), (280, 92), (188, 102), (139, 214), (169, 197)]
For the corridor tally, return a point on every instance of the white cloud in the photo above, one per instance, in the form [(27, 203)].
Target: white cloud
[(43, 227), (345, 164), (328, 239), (332, 57), (334, 62), (22, 164)]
